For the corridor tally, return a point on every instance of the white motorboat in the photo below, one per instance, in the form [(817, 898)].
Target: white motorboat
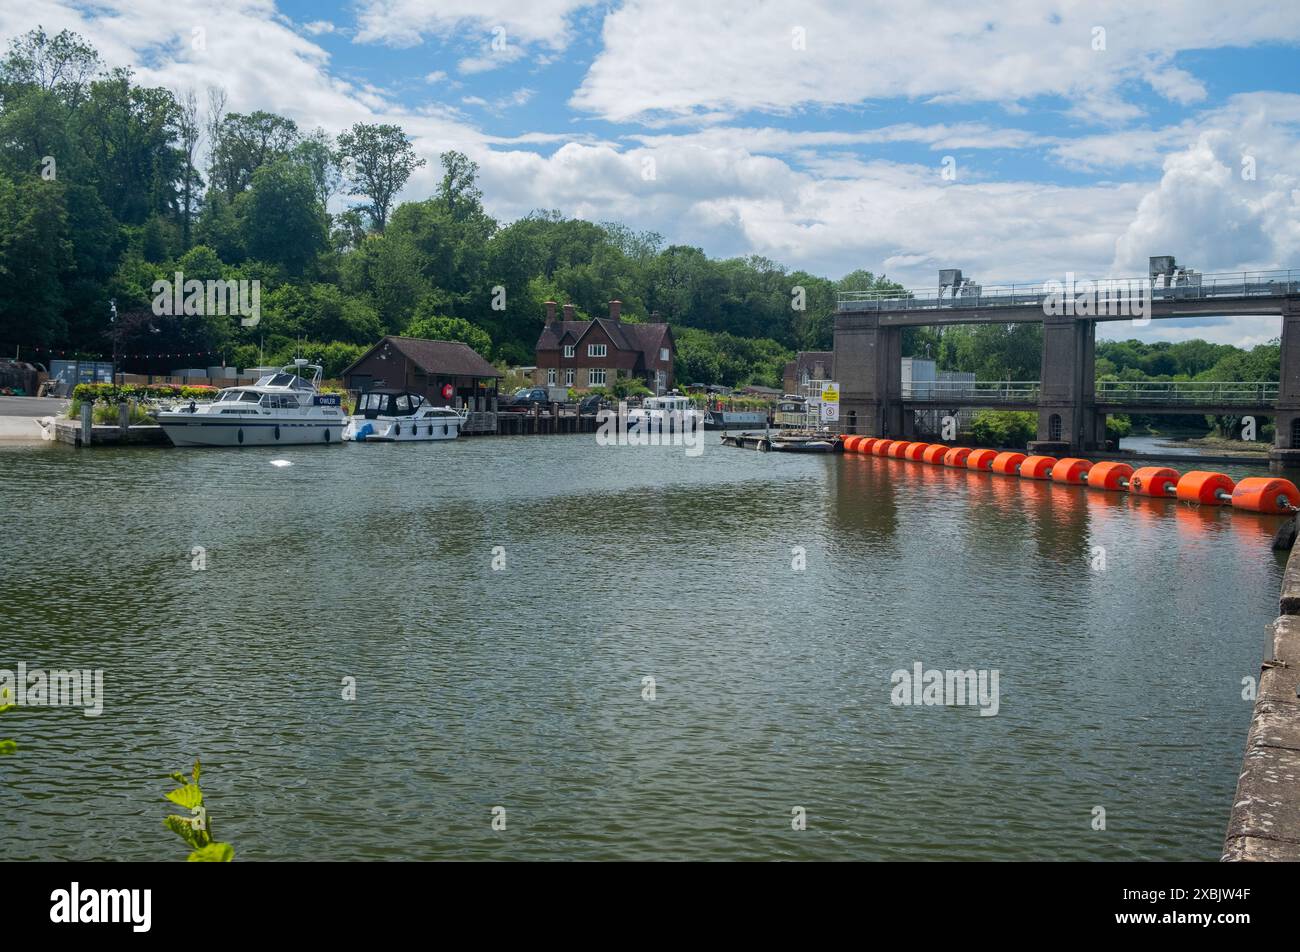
[(673, 412), (281, 409), (398, 416)]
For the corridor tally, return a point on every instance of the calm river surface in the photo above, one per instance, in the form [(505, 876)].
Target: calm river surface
[(523, 687)]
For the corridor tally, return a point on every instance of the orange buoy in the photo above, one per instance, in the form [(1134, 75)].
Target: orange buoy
[(934, 453), (850, 443), (866, 443), (1208, 489), (1266, 494), (898, 448), (1037, 467), (1007, 463), (1071, 470), (1110, 475), (882, 447), (956, 456), (981, 459), (914, 451), (1153, 481)]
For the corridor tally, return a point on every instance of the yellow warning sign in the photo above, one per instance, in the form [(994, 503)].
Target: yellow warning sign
[(831, 393)]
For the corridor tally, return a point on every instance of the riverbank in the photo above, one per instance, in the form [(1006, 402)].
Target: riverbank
[(19, 416), (1265, 820)]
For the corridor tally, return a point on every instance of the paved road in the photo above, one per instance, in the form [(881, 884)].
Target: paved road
[(18, 417), (32, 406)]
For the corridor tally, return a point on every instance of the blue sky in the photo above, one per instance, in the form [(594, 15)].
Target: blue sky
[(1083, 136)]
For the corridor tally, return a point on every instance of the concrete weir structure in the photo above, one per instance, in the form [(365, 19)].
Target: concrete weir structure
[(1265, 819), (1071, 415)]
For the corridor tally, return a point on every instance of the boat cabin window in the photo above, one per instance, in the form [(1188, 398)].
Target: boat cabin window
[(403, 405), (280, 401), (247, 396)]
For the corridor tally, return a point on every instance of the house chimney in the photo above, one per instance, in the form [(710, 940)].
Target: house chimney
[(615, 309), (568, 312), (550, 312)]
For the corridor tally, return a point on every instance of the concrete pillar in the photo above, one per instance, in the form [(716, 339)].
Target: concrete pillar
[(87, 422), (1286, 452), (869, 370), (1067, 416)]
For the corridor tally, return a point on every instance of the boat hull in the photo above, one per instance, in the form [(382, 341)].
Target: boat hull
[(434, 430), (199, 432)]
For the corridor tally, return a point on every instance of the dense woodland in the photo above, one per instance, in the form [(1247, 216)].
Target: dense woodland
[(107, 186)]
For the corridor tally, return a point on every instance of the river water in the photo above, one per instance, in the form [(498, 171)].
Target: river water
[(523, 686)]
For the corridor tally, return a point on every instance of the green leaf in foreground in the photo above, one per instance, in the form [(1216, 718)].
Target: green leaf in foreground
[(8, 746), (213, 853)]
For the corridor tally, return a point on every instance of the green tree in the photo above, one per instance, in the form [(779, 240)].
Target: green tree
[(378, 160)]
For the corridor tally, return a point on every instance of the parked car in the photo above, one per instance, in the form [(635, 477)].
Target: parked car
[(525, 398), (593, 404)]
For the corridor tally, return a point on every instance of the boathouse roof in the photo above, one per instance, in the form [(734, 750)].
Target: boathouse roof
[(443, 357)]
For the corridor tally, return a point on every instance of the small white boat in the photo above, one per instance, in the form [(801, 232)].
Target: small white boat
[(665, 414), (281, 409), (397, 416)]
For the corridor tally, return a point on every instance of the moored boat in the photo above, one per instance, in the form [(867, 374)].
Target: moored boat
[(281, 409), (398, 416)]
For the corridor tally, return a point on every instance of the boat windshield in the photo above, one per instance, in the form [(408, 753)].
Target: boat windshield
[(292, 381), (234, 396)]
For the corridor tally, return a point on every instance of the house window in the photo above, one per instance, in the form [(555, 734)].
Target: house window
[(663, 354), (568, 350), (596, 377), (595, 350), (568, 377), (1054, 427), (550, 376)]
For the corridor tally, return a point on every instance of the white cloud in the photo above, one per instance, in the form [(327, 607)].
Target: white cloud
[(679, 57), (407, 22), (319, 27)]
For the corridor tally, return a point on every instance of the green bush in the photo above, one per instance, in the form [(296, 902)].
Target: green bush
[(999, 428)]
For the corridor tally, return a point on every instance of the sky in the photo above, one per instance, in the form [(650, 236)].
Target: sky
[(1015, 140)]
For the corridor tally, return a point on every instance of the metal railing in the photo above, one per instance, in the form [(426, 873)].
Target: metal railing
[(1228, 284), (1227, 393), (974, 391)]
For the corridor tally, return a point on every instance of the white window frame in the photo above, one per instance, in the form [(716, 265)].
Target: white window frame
[(591, 377), (664, 354), (550, 376), (568, 376), (597, 350), (568, 350)]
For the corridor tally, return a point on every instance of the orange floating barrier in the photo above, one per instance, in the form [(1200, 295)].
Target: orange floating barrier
[(1037, 467), (1007, 463), (1208, 489), (1110, 475), (1071, 470), (1153, 481), (981, 459), (956, 456), (851, 443), (866, 443), (882, 447), (934, 453), (914, 451), (898, 448), (1266, 494)]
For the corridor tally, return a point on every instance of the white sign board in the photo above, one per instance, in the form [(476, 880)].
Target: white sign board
[(830, 402)]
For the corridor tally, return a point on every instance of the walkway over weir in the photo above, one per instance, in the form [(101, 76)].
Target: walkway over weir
[(1071, 405), (1154, 397)]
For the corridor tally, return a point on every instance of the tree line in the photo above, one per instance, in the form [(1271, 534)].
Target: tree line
[(107, 186)]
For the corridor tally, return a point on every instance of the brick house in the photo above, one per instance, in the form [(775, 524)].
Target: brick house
[(595, 353), (808, 367)]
